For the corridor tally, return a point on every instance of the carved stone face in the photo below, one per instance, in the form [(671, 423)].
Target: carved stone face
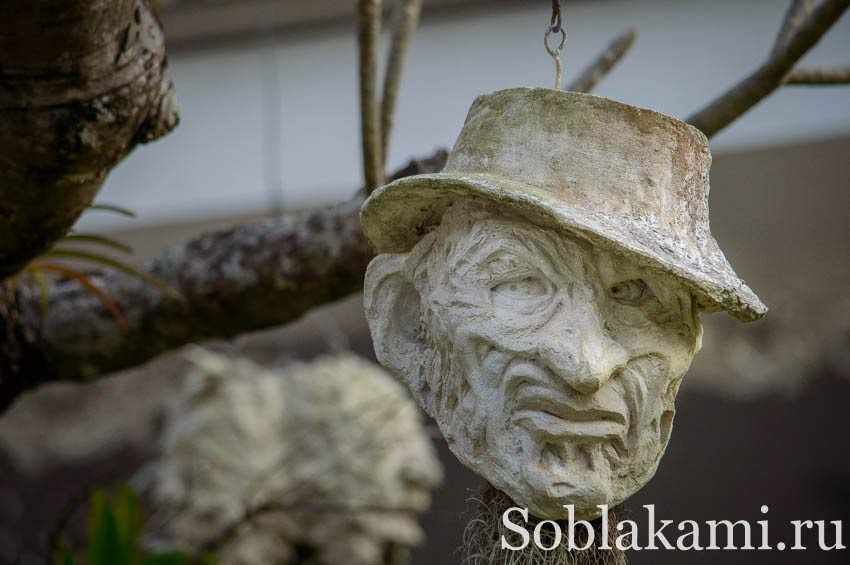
[(550, 365)]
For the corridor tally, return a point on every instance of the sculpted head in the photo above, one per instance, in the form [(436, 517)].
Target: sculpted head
[(540, 295), (551, 366)]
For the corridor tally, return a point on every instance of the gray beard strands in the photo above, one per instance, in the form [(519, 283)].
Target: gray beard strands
[(484, 531)]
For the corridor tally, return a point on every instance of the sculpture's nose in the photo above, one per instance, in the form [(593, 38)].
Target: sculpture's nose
[(576, 347)]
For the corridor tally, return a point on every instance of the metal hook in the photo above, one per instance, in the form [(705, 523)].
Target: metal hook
[(555, 53)]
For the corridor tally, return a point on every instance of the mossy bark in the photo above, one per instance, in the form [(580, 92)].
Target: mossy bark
[(246, 278)]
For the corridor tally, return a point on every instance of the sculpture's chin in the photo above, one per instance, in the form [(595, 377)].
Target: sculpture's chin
[(585, 496), (554, 483), (546, 485)]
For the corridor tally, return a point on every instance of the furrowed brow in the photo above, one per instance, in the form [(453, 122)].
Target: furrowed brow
[(557, 253)]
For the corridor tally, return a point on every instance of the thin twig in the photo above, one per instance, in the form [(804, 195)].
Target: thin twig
[(597, 70), (795, 17), (828, 76), (770, 76), (369, 35), (404, 26)]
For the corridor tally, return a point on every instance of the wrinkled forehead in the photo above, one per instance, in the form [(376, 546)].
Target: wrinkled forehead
[(493, 237), (476, 234)]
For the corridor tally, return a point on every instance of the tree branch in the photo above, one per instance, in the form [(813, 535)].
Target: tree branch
[(406, 21), (772, 74), (795, 17), (830, 76), (83, 82), (597, 70), (247, 278), (369, 35)]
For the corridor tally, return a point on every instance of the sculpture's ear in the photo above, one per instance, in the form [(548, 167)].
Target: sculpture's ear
[(393, 310)]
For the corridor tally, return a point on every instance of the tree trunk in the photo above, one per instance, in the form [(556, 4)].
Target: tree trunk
[(82, 82)]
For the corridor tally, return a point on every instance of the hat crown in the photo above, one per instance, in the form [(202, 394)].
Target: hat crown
[(627, 179), (592, 153)]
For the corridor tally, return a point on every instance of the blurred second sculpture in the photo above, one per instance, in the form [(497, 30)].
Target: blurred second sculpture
[(321, 463)]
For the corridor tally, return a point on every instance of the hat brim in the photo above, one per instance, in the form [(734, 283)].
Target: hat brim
[(396, 216)]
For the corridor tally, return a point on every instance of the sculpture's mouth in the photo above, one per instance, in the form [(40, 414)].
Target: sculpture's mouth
[(547, 412)]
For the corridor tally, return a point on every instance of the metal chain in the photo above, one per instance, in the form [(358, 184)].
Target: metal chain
[(556, 26)]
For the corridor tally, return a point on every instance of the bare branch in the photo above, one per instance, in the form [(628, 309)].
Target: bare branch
[(369, 36), (246, 278), (829, 76), (406, 22), (612, 55), (770, 76), (795, 17)]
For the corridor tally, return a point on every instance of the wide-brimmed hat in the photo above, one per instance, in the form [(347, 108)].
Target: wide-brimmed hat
[(631, 180)]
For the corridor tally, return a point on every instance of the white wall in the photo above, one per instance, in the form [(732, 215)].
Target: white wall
[(213, 164)]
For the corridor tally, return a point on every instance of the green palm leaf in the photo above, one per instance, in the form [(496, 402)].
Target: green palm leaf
[(113, 208), (98, 240)]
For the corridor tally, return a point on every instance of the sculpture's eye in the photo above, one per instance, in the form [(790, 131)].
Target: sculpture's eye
[(520, 289), (633, 292)]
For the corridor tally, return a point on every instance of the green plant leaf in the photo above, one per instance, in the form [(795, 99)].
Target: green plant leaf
[(113, 208), (128, 518), (114, 537), (97, 240), (171, 558), (114, 264), (104, 540)]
